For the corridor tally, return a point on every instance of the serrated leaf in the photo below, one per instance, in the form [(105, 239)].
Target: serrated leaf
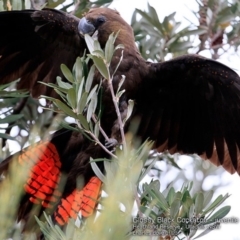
[(67, 73)]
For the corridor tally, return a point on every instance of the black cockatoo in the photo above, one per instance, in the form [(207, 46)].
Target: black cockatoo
[(189, 104)]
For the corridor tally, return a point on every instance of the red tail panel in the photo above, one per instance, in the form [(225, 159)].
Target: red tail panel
[(45, 173), (84, 201)]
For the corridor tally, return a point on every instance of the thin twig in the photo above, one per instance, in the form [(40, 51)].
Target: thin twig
[(115, 102), (100, 128), (101, 145), (98, 142)]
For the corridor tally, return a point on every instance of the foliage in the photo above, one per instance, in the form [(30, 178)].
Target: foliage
[(218, 30)]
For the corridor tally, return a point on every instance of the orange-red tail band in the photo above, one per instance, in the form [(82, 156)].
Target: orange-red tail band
[(44, 174), (84, 201)]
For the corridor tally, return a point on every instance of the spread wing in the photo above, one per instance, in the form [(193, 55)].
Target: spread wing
[(33, 44), (192, 105)]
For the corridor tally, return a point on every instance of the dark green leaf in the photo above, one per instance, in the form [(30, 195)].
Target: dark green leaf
[(83, 121), (83, 102), (71, 97), (65, 108)]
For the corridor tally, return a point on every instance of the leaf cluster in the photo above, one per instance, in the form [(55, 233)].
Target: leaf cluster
[(178, 212)]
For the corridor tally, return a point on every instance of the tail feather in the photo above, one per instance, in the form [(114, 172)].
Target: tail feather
[(83, 201), (51, 185), (45, 173)]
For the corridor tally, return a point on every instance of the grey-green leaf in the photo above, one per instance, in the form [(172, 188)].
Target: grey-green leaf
[(101, 66), (64, 108), (221, 213), (67, 73), (90, 79)]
